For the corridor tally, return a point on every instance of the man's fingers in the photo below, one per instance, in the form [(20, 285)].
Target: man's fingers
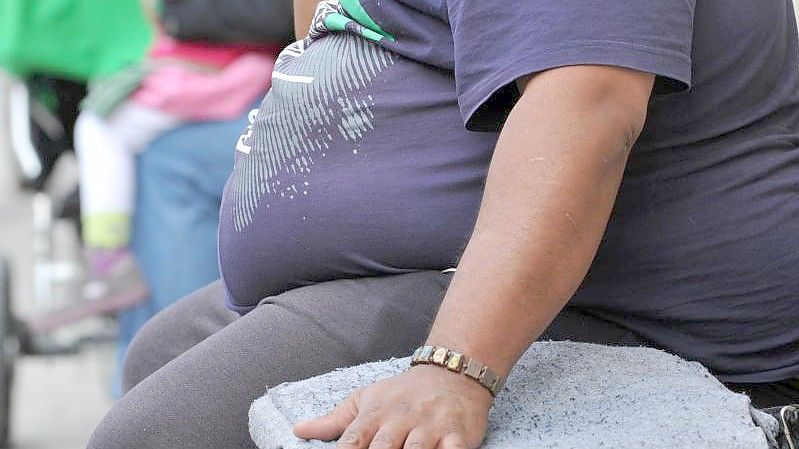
[(332, 425), (359, 434), (390, 436), (421, 438), (453, 440)]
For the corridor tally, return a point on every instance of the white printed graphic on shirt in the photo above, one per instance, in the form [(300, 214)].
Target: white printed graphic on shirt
[(242, 144), (319, 93)]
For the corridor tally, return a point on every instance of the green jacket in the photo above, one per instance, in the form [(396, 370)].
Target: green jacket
[(77, 39)]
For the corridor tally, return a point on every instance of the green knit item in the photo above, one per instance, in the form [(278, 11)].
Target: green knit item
[(354, 9), (75, 39)]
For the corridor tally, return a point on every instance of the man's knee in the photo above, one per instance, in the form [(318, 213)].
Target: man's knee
[(120, 430), (145, 355), (173, 331), (140, 422)]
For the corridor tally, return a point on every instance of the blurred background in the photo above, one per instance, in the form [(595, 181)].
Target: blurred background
[(54, 400), (160, 91), (76, 284)]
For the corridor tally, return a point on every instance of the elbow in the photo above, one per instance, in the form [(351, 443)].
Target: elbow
[(627, 118), (621, 101)]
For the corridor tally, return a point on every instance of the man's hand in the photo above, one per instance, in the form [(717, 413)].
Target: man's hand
[(426, 407)]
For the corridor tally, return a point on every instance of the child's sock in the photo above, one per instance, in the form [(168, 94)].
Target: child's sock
[(107, 230)]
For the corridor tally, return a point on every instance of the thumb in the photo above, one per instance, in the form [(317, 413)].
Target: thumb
[(332, 425)]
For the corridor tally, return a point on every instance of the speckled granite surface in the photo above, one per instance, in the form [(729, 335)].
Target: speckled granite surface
[(561, 395)]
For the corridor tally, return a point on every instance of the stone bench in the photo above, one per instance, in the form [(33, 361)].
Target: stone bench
[(560, 395)]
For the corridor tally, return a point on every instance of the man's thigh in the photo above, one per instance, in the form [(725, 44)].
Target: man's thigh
[(201, 398), (175, 330), (579, 325)]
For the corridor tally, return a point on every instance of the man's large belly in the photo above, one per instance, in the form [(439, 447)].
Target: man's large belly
[(356, 165)]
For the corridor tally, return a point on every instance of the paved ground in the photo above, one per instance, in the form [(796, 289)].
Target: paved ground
[(57, 401)]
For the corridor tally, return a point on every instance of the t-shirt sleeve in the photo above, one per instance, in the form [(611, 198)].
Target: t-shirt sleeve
[(499, 42)]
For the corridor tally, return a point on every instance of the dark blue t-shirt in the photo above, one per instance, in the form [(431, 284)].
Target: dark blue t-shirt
[(701, 255)]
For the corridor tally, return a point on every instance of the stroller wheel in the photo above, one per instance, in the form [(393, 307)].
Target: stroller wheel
[(7, 351)]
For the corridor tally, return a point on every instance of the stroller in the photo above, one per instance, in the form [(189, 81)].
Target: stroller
[(40, 136), (53, 47)]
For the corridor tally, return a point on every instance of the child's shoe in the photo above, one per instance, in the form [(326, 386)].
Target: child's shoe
[(114, 284)]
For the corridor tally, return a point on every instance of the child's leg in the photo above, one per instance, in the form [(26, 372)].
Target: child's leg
[(106, 151), (138, 125), (106, 169)]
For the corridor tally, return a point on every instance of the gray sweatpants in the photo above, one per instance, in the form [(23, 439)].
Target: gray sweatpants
[(193, 370)]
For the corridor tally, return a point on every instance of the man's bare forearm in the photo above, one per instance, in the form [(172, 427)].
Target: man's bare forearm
[(551, 187), (303, 15)]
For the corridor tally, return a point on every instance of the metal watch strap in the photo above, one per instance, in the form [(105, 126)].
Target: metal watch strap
[(459, 363)]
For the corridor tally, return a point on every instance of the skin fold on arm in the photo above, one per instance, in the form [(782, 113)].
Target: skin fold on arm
[(551, 186)]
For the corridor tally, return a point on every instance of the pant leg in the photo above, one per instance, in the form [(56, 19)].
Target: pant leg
[(148, 351), (201, 398), (579, 325), (174, 331)]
